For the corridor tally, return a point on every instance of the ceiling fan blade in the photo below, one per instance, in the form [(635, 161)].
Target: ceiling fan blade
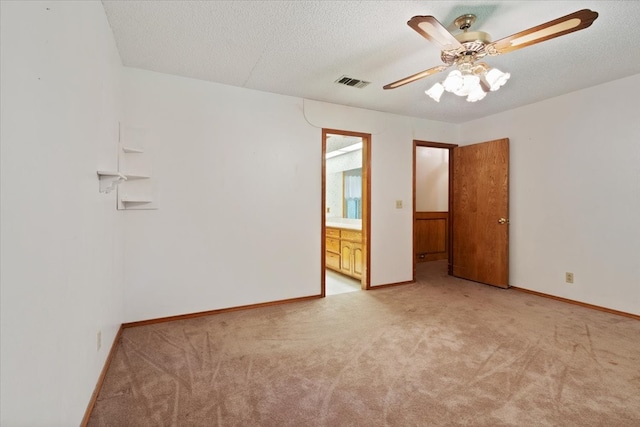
[(432, 30), (558, 27), (415, 77)]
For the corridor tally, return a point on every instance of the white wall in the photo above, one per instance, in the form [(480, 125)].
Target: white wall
[(236, 224), (61, 278), (227, 160), (432, 179), (575, 193), (391, 180)]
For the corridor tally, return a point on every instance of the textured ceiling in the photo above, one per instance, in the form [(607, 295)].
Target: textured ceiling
[(300, 48), (337, 142)]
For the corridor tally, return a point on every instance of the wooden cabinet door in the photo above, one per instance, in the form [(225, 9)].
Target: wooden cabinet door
[(332, 260), (346, 259), (332, 245), (332, 232), (358, 260)]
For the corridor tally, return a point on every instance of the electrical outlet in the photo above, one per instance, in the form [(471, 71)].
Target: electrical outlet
[(568, 277), (398, 204), (99, 340)]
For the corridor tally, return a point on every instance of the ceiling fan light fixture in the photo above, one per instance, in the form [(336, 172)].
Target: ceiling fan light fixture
[(435, 92), (453, 82), (469, 84), (476, 94), (496, 78), (472, 81)]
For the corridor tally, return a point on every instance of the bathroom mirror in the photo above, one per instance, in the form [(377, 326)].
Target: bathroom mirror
[(343, 177)]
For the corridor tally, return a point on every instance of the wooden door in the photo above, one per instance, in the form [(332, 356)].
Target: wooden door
[(481, 212)]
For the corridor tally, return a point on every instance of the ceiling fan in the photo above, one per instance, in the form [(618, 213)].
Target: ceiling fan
[(471, 78)]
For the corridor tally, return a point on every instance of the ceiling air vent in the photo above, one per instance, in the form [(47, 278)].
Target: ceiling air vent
[(349, 81)]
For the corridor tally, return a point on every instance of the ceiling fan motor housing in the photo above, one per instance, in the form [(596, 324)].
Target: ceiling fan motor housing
[(474, 36), (473, 45), (465, 22)]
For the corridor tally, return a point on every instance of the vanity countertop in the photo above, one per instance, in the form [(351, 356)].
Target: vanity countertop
[(346, 226)]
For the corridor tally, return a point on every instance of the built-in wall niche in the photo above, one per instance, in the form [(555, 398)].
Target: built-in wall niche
[(135, 163)]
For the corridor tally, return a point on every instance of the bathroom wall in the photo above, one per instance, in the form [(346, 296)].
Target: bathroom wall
[(432, 179)]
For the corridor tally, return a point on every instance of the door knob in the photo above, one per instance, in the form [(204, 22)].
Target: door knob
[(503, 221)]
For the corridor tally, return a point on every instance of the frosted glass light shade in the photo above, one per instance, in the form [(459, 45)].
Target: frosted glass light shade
[(476, 94), (496, 79), (473, 83), (435, 91), (453, 82), (469, 84)]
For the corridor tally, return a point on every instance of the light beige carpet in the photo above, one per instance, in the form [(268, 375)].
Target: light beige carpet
[(440, 352)]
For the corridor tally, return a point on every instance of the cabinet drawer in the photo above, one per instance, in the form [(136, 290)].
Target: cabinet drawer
[(332, 260), (332, 232), (333, 245), (352, 235)]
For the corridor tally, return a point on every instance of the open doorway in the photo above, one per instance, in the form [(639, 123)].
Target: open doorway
[(432, 225), (345, 211), (474, 231)]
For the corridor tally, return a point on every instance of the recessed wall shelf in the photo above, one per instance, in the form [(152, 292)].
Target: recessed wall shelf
[(108, 180), (111, 173), (126, 199), (132, 150), (135, 163)]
